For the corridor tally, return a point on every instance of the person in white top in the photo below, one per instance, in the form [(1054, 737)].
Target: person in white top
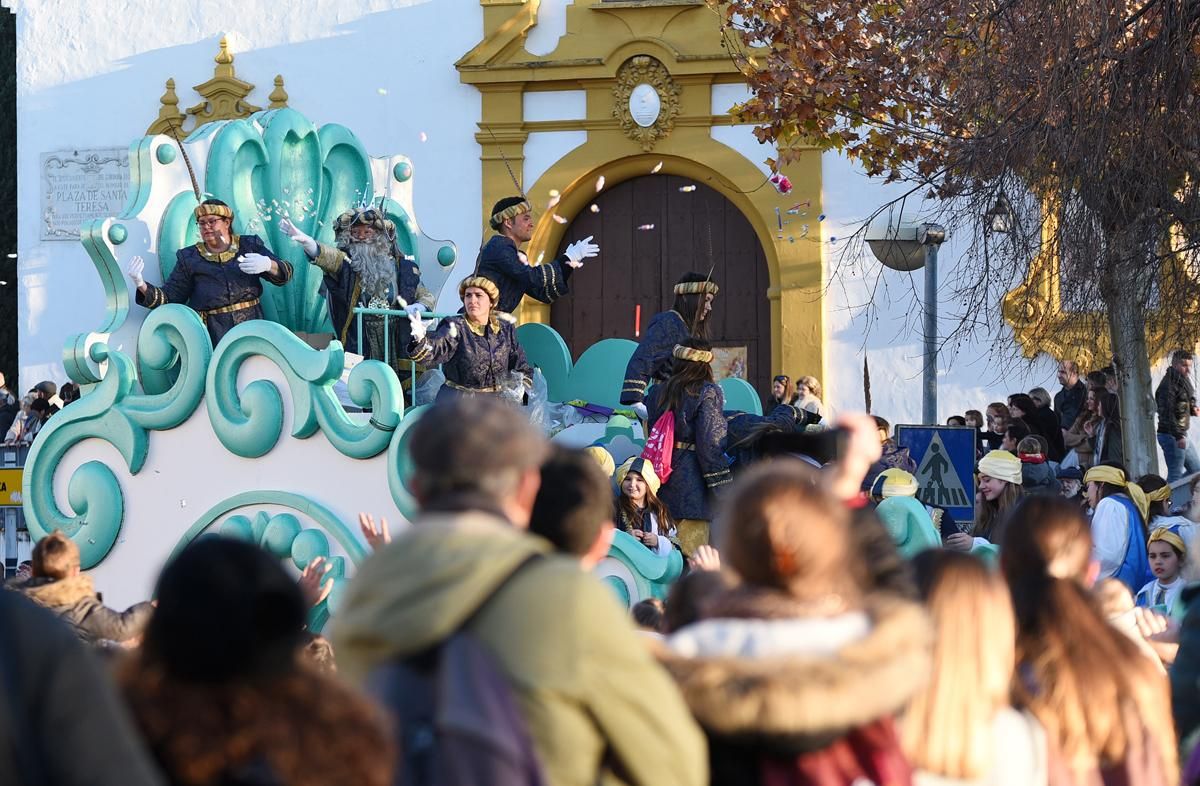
[(1167, 554), (1119, 511), (808, 395)]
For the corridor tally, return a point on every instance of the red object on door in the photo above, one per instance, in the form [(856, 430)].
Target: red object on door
[(637, 320)]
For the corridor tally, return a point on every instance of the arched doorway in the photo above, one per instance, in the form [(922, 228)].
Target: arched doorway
[(693, 228)]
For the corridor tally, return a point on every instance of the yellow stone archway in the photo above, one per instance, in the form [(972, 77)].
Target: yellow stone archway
[(683, 38)]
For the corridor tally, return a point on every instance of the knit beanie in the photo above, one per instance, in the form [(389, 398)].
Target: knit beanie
[(1002, 465)]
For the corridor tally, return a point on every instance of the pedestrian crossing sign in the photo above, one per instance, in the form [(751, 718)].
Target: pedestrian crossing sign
[(945, 459)]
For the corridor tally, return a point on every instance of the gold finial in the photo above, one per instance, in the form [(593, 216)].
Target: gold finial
[(224, 60), (279, 96), (168, 113)]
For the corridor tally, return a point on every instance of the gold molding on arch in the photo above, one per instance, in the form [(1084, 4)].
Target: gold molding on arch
[(639, 70), (223, 98), (1035, 312)]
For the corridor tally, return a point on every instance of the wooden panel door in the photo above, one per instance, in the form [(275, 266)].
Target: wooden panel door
[(651, 231)]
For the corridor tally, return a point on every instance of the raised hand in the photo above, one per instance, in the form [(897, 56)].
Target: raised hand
[(705, 558), (134, 270), (376, 536), (307, 243), (313, 583), (581, 250)]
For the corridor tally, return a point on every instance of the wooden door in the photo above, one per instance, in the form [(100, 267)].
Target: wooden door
[(696, 229)]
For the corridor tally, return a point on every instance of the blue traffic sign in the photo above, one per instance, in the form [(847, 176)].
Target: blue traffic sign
[(945, 457)]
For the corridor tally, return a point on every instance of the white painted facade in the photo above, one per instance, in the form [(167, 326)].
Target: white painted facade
[(90, 75)]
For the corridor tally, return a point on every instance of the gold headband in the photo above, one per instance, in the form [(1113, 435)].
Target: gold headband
[(479, 282), (697, 287), (1159, 495), (1115, 477), (223, 211), (512, 211), (1167, 536), (694, 355)]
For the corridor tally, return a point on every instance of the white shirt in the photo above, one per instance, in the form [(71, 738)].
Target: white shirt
[(1110, 536), (1170, 592)]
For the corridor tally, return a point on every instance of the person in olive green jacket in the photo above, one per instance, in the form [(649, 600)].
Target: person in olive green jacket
[(598, 707)]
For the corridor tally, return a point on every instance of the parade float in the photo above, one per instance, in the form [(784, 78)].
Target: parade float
[(271, 435)]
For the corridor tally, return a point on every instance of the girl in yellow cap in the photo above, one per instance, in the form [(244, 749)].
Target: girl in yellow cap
[(639, 510), (999, 492), (1167, 553)]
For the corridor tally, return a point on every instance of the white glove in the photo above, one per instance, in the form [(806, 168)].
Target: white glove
[(581, 250), (307, 243), (640, 409), (134, 271), (418, 327), (254, 264)]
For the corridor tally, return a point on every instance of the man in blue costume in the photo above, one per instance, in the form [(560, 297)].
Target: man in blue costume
[(206, 277), (688, 318), (502, 261), (366, 269)]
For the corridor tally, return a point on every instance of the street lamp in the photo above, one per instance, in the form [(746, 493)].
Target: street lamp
[(905, 246), (999, 218)]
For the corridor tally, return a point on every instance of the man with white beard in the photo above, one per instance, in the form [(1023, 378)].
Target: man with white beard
[(366, 269)]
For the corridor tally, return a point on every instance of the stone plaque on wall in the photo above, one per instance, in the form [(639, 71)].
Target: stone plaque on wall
[(81, 185)]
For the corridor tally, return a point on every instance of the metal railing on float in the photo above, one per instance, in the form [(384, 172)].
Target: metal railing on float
[(387, 314)]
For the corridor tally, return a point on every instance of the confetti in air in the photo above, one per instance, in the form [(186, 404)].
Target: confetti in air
[(559, 219), (657, 168), (424, 137), (646, 227), (800, 205), (382, 91), (821, 217), (594, 208), (541, 256), (599, 185), (553, 201), (687, 189), (553, 192)]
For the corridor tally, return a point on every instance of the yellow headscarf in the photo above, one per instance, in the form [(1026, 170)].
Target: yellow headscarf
[(1159, 495), (1115, 477), (642, 467), (894, 482), (1167, 536), (603, 458)]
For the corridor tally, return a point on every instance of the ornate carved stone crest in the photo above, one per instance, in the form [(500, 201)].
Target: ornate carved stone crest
[(646, 100)]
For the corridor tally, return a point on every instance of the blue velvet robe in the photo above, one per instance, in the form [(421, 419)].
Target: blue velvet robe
[(742, 425), (699, 469), (480, 364), (206, 281), (499, 263), (343, 291), (652, 359)]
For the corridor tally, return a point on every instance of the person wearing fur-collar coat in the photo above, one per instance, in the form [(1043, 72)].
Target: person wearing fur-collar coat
[(797, 674)]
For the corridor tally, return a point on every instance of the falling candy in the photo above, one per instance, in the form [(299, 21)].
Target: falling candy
[(541, 256), (657, 168), (687, 189), (599, 185), (552, 203), (554, 193), (594, 208), (382, 91), (821, 217), (646, 227), (423, 136), (559, 219)]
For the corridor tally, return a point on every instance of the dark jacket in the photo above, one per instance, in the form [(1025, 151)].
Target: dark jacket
[(1039, 479), (76, 602), (1185, 673), (60, 719), (652, 360), (1068, 403), (501, 263), (1043, 421), (1175, 398), (744, 432), (699, 468), (480, 363), (793, 712), (207, 281)]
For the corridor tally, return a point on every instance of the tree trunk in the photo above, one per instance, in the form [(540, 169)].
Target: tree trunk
[(1124, 296)]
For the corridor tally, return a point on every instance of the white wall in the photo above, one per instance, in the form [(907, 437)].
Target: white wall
[(90, 74)]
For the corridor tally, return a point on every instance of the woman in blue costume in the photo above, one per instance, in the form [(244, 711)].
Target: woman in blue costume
[(206, 277), (688, 318), (478, 349), (699, 469)]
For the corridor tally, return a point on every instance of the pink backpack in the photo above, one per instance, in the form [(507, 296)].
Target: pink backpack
[(660, 445)]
